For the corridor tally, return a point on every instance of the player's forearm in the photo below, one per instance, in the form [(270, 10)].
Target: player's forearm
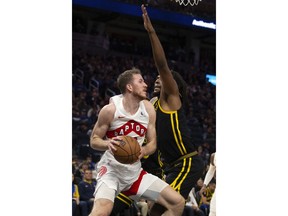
[(149, 148), (209, 175), (98, 143), (158, 51)]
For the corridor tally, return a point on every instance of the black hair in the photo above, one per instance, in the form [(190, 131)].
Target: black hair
[(182, 86)]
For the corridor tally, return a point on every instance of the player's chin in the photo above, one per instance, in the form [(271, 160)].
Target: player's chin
[(143, 95), (156, 89)]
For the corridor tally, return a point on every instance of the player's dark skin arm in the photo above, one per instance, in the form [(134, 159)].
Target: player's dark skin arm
[(169, 95)]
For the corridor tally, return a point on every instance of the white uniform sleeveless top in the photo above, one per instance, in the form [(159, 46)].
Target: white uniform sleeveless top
[(126, 124), (109, 169)]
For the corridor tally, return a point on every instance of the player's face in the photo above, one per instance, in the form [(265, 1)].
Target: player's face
[(139, 86), (200, 182), (157, 85)]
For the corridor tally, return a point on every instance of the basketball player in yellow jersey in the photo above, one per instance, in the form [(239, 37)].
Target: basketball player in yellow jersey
[(183, 166)]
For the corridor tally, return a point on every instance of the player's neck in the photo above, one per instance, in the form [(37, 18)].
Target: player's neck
[(130, 105)]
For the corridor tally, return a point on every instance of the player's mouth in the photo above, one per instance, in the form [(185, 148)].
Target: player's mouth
[(157, 87)]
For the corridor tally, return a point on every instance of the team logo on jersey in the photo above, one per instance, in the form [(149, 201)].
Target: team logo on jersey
[(142, 115), (102, 171), (127, 128)]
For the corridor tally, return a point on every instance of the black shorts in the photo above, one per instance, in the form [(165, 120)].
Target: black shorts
[(121, 203), (184, 175)]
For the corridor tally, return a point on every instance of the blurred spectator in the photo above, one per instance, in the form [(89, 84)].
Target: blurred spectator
[(77, 205), (143, 207), (91, 164), (198, 185), (206, 197), (204, 154), (75, 164), (80, 172), (86, 191), (191, 206)]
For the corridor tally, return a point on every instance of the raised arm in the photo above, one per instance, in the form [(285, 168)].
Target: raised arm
[(169, 85)]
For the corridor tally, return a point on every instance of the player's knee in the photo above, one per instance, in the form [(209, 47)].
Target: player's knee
[(173, 198), (177, 203), (180, 202)]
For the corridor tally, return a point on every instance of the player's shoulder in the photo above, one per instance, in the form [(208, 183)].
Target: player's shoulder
[(148, 104), (108, 109), (115, 98), (153, 100), (149, 108)]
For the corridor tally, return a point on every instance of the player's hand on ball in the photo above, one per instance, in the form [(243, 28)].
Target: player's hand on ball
[(115, 141), (142, 153)]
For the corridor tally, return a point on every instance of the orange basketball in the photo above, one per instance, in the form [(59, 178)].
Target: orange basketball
[(128, 151)]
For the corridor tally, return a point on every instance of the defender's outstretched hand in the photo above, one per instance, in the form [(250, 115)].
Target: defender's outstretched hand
[(147, 23)]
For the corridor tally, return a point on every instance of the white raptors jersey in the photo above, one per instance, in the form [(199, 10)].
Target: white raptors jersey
[(126, 124), (123, 124)]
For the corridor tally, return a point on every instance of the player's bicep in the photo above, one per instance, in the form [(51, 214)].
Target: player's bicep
[(169, 84), (105, 117)]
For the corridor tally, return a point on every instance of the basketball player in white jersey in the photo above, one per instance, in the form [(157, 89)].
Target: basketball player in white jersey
[(208, 177), (129, 114)]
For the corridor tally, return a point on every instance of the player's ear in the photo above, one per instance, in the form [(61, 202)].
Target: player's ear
[(129, 87)]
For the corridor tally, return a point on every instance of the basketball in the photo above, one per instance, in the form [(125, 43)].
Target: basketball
[(128, 151)]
